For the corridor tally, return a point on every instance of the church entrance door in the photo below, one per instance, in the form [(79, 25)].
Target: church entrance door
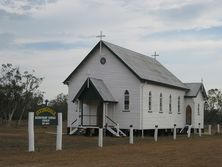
[(188, 115), (100, 115)]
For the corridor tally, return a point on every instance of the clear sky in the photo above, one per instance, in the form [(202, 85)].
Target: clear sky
[(53, 36)]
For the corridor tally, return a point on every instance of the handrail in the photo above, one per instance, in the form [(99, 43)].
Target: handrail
[(74, 121), (111, 120)]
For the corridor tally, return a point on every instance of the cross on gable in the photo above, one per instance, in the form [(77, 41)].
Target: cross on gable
[(100, 43), (155, 55), (100, 35)]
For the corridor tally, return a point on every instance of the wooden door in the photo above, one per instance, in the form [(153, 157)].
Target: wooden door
[(188, 115), (100, 115)]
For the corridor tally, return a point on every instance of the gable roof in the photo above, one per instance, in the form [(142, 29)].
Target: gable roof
[(100, 87), (143, 67), (194, 89), (146, 67)]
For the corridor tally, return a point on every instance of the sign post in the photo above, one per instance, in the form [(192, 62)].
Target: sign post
[(31, 132), (59, 132), (45, 116)]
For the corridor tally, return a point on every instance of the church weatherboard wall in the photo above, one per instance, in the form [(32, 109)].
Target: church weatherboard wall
[(123, 88)]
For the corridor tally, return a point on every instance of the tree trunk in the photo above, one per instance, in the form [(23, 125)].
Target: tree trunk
[(20, 117), (10, 115)]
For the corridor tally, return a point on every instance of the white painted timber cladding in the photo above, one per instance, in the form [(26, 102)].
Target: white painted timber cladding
[(198, 118), (164, 120), (193, 103), (117, 78)]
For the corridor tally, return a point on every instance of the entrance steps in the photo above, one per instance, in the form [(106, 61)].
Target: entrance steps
[(187, 128), (116, 132), (112, 127)]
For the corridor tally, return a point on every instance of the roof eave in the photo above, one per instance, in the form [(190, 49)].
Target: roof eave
[(164, 84), (70, 75)]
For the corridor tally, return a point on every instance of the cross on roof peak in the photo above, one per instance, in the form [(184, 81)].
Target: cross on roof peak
[(155, 55), (100, 35)]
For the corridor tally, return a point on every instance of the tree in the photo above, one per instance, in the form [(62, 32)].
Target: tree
[(213, 106), (11, 89), (59, 104), (18, 92), (30, 95)]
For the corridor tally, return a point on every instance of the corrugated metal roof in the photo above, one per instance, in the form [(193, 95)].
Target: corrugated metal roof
[(99, 86), (194, 89), (102, 90), (145, 67)]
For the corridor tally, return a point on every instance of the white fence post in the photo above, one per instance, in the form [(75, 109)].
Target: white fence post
[(59, 132), (174, 132), (131, 134), (156, 133), (199, 130), (209, 129), (31, 132), (100, 143), (218, 128)]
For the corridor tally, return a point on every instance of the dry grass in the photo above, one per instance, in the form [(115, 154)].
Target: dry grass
[(83, 151)]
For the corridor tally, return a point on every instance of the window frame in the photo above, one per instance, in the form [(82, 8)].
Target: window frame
[(178, 104), (161, 103), (150, 101), (198, 109), (170, 104), (126, 106)]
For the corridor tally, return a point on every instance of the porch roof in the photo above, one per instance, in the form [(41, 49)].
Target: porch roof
[(100, 88)]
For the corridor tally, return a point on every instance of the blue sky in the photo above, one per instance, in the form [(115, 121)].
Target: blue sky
[(53, 36)]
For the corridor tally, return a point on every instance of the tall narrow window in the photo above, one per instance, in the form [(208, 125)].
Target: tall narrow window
[(178, 104), (198, 109), (126, 100), (150, 101), (161, 102), (170, 104)]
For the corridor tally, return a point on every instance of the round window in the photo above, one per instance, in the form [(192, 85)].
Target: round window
[(103, 60)]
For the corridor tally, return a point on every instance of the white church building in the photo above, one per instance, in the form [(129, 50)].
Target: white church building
[(114, 87)]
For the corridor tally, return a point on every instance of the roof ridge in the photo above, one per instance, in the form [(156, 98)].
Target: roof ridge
[(193, 83), (145, 56)]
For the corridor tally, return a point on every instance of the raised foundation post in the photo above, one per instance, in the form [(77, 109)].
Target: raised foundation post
[(218, 128), (209, 129), (174, 132), (188, 131), (31, 132), (156, 133), (100, 142), (59, 132), (131, 134), (199, 130), (117, 129)]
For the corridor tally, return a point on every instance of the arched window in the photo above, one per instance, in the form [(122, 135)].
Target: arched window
[(170, 104), (150, 101), (178, 104), (126, 100), (161, 102), (198, 109)]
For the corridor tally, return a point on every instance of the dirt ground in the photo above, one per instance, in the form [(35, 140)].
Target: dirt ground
[(83, 151)]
